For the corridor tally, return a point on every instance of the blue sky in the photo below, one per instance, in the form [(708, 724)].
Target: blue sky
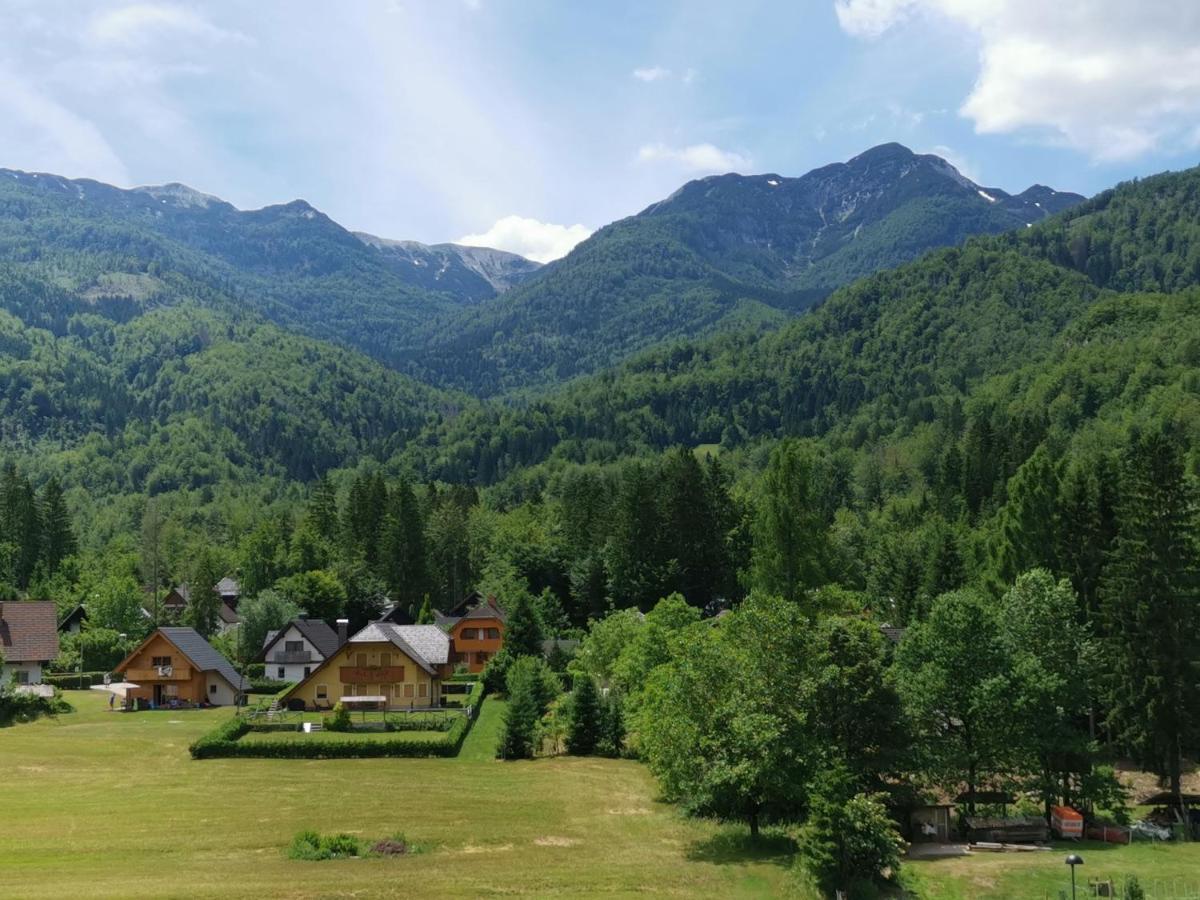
[(527, 123)]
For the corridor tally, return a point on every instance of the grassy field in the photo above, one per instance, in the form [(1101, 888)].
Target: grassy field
[(100, 804), (1166, 871)]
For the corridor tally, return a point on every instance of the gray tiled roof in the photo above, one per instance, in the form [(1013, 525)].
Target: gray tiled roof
[(201, 653), (428, 640), (378, 632)]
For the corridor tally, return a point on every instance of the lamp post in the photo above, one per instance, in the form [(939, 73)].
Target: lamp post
[(1073, 860)]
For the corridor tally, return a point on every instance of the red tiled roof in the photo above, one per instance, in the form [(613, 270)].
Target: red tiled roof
[(28, 630)]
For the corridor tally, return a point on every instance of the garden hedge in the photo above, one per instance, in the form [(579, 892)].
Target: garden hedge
[(71, 680), (226, 741)]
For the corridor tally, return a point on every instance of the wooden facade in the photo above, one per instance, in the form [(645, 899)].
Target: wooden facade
[(369, 669)]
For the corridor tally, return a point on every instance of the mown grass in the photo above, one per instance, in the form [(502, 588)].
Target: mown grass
[(110, 805), (1166, 871)]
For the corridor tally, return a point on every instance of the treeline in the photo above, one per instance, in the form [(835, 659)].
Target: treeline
[(36, 535)]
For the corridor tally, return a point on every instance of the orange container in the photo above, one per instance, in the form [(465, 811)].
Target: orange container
[(1066, 822)]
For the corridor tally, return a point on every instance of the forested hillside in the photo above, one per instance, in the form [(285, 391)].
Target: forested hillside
[(724, 253), (289, 263), (877, 360)]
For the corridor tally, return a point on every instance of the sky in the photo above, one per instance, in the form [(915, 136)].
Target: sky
[(526, 124)]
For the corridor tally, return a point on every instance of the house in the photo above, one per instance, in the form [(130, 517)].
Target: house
[(475, 636), (400, 665), (176, 665), (229, 591), (28, 639), (397, 615), (173, 606), (292, 652), (72, 623)]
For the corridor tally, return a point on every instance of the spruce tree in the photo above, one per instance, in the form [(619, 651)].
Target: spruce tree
[(586, 727), (522, 630), (58, 540), (790, 537), (1151, 601), (1028, 531)]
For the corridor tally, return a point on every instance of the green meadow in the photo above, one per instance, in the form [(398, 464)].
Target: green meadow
[(101, 804)]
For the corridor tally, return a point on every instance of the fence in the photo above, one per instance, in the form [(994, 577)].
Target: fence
[(1152, 889)]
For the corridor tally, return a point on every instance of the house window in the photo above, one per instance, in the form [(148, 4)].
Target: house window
[(385, 659), (322, 691), (408, 690), (493, 634), (22, 676), (470, 634), (293, 646), (157, 661), (212, 688), (307, 671), (362, 660), (422, 690), (396, 691), (281, 673), (481, 657)]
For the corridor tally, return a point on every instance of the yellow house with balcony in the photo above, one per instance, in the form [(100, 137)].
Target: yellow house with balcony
[(402, 665)]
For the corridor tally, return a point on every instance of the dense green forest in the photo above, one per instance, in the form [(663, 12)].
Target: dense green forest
[(905, 453)]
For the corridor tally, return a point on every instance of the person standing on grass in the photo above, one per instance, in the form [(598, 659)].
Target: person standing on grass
[(111, 699)]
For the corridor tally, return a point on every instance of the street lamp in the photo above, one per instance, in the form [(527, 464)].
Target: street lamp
[(1073, 860)]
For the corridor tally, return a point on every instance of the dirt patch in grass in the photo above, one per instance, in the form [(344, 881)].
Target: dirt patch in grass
[(555, 842)]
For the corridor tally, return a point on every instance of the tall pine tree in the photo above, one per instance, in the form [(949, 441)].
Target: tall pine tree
[(1151, 601)]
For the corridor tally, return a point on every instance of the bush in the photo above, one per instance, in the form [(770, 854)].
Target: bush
[(310, 845), (255, 670), (849, 844), (267, 686), (340, 720), (1134, 889), (495, 674), (19, 706)]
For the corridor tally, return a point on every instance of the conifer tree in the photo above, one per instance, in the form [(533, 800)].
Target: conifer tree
[(585, 732), (1151, 602), (522, 630), (204, 605), (1028, 522), (57, 536)]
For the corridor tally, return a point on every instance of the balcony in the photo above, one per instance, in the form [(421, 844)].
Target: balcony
[(159, 673), (292, 656), (371, 674)]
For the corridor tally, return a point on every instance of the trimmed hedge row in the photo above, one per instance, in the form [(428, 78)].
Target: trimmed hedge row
[(71, 680), (225, 741), (268, 686)]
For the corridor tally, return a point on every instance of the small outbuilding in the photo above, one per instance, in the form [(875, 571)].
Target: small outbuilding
[(931, 823)]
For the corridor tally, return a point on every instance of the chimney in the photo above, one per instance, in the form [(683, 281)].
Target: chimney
[(343, 626)]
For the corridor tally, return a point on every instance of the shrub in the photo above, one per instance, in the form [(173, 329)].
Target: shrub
[(255, 670), (495, 674), (340, 720), (849, 843), (20, 706), (72, 680), (268, 686), (1134, 889), (310, 845)]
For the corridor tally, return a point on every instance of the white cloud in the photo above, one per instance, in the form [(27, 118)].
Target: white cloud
[(539, 241), (694, 158), (651, 73), (1112, 78), (141, 22), (43, 135)]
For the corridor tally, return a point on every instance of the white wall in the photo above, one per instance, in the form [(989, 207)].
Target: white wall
[(33, 668), (291, 671), (225, 695)]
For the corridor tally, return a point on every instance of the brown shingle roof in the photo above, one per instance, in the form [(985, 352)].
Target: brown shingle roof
[(28, 631)]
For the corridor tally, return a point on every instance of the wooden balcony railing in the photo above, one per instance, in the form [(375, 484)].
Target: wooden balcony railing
[(159, 673), (292, 656)]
